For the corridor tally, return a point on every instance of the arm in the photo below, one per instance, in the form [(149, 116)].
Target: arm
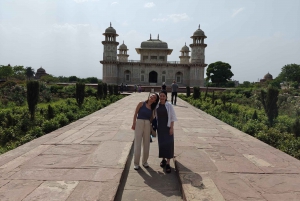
[(172, 128), (135, 115)]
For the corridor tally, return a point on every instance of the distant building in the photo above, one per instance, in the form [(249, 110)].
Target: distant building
[(267, 77), (153, 68), (39, 73)]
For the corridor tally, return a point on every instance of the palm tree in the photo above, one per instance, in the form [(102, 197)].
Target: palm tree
[(29, 72)]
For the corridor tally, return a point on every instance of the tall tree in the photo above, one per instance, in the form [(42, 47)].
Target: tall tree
[(269, 100), (6, 71), (33, 91), (29, 72), (290, 73), (219, 72), (80, 93)]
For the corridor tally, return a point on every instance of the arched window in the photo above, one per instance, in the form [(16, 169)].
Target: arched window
[(163, 76), (178, 77), (127, 75)]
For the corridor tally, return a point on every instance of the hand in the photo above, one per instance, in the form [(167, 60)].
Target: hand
[(171, 131), (133, 127)]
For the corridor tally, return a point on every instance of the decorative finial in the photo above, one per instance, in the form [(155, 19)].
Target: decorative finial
[(110, 24), (158, 36), (150, 37), (199, 26), (123, 41), (185, 43)]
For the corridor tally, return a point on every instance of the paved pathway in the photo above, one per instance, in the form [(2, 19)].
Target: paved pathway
[(86, 159)]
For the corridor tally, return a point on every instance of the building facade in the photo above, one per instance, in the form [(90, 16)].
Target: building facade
[(153, 68)]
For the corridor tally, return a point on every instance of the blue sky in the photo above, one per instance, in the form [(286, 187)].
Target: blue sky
[(64, 36)]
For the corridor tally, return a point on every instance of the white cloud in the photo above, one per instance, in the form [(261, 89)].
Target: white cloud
[(114, 3), (160, 19), (179, 17), (174, 17), (237, 11), (149, 5), (125, 23), (68, 27), (82, 1)]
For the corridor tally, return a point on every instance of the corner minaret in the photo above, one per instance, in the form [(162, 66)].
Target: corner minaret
[(123, 56), (110, 44), (197, 59), (198, 47), (110, 69), (185, 57)]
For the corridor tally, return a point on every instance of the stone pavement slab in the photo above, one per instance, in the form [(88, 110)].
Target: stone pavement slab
[(90, 160), (81, 161), (218, 162)]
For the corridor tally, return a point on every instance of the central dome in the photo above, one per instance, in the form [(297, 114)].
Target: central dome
[(154, 43)]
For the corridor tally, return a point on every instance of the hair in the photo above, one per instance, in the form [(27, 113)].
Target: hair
[(164, 92), (153, 105)]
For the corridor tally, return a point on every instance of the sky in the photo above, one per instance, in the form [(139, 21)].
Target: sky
[(64, 36)]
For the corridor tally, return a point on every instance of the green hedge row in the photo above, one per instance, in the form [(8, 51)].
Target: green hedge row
[(16, 127)]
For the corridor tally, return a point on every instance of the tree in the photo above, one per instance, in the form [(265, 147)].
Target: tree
[(19, 72), (290, 73), (100, 93), (33, 90), (80, 93), (188, 91), (93, 80), (104, 90), (48, 78), (29, 72), (6, 71), (269, 100), (219, 72), (73, 79)]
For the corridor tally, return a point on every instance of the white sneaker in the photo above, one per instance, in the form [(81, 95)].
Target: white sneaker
[(136, 167), (146, 165)]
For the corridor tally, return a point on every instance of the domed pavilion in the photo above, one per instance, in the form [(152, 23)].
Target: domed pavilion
[(40, 72)]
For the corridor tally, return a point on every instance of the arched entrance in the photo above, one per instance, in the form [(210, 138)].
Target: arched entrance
[(153, 77)]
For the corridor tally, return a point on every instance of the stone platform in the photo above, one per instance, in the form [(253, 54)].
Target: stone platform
[(87, 159)]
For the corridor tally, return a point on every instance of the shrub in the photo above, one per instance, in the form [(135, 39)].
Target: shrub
[(100, 93), (61, 119), (90, 91), (296, 127), (116, 89), (196, 93), (254, 116), (50, 112), (104, 90), (110, 90), (188, 91), (50, 125)]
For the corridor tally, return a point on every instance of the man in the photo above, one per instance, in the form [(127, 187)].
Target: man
[(164, 87), (174, 92)]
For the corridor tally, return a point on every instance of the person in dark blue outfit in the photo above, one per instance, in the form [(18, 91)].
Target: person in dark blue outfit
[(166, 117)]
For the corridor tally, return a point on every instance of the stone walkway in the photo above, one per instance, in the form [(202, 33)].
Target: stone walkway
[(86, 160)]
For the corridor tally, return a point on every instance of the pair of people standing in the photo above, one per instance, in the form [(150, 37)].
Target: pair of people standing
[(165, 115), (174, 88)]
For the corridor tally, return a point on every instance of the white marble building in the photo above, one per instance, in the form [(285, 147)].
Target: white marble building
[(153, 68)]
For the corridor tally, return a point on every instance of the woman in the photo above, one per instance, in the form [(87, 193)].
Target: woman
[(165, 116), (141, 127)]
